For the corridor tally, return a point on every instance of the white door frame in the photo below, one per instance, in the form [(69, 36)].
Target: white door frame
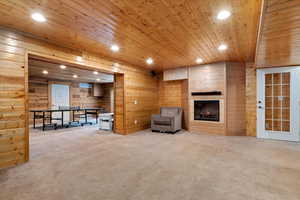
[(294, 102)]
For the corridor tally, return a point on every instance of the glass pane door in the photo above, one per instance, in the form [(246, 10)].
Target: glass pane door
[(277, 102)]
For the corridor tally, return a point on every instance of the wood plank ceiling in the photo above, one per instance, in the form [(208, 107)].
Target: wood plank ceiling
[(173, 32), (279, 43), (36, 68)]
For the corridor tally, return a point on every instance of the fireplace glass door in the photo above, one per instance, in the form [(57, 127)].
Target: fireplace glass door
[(207, 110)]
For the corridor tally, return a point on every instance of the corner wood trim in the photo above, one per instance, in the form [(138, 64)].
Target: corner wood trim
[(260, 28)]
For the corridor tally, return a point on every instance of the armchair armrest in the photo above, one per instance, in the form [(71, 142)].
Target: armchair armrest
[(178, 121)]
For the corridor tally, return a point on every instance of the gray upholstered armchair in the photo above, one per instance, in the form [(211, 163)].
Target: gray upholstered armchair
[(169, 120)]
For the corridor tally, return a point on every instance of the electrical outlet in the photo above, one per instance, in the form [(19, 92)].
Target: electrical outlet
[(135, 121), (135, 102)]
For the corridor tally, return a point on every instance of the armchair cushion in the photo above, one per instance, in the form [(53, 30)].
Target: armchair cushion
[(162, 121)]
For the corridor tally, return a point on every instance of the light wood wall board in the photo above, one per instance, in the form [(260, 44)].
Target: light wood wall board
[(279, 43), (235, 99), (15, 48), (38, 96), (141, 100), (173, 32), (185, 103), (210, 77), (175, 74), (206, 78), (107, 101), (229, 78), (119, 114), (251, 99), (174, 94), (12, 104), (83, 97), (204, 127)]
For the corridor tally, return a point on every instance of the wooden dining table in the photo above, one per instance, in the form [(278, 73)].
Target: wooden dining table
[(46, 114)]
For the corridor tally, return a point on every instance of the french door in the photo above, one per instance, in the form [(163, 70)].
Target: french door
[(278, 103)]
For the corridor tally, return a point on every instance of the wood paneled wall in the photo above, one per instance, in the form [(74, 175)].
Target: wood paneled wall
[(229, 78), (14, 48), (119, 115), (84, 98), (141, 100), (209, 77), (174, 94), (235, 99), (203, 78), (250, 99), (107, 101), (38, 94), (13, 139), (170, 93)]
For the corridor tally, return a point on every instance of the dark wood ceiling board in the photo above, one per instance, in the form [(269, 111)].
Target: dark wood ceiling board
[(36, 68), (140, 16), (131, 38), (193, 26), (51, 24), (174, 33), (179, 19), (280, 36), (65, 22), (279, 5), (197, 30), (161, 45)]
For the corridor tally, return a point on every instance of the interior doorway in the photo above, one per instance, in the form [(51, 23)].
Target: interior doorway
[(278, 103), (63, 95)]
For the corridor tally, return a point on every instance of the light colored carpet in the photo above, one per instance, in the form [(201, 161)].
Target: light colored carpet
[(85, 164)]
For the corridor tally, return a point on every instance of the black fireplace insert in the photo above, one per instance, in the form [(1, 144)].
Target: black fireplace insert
[(207, 110)]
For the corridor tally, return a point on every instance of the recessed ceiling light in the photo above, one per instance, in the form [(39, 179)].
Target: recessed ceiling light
[(224, 14), (222, 47), (149, 61), (38, 17), (63, 66), (95, 72), (75, 76), (98, 79), (79, 58), (45, 72), (115, 69), (116, 65), (199, 60), (115, 48)]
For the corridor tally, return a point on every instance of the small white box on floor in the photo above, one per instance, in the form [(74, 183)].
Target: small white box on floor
[(106, 121)]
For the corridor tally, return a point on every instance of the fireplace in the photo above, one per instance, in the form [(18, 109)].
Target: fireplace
[(207, 110)]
